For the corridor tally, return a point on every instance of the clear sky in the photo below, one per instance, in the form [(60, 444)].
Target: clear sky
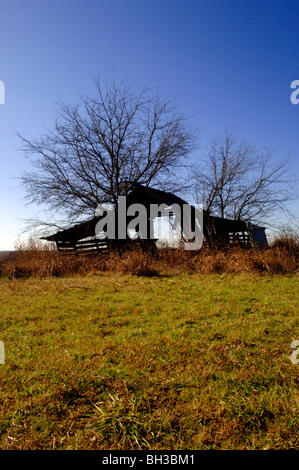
[(230, 63)]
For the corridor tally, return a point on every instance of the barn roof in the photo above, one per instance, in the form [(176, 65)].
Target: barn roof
[(146, 196)]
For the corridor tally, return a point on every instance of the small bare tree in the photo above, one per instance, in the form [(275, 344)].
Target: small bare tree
[(236, 181), (98, 148)]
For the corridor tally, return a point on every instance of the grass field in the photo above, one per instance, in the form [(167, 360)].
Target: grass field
[(165, 362)]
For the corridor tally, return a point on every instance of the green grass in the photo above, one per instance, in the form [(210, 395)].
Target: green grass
[(168, 362)]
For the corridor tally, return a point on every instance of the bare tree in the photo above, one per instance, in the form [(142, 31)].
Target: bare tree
[(236, 181), (98, 148)]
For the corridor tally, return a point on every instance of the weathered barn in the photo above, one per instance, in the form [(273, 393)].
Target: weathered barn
[(216, 231)]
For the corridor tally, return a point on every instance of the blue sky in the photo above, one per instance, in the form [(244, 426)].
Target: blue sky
[(229, 63)]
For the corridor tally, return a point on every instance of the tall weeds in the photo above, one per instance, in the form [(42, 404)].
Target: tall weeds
[(39, 260)]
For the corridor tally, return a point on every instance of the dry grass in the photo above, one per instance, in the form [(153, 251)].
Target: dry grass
[(172, 350), (35, 259), (122, 362)]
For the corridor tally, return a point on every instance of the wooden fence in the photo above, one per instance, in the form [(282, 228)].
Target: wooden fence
[(83, 246)]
